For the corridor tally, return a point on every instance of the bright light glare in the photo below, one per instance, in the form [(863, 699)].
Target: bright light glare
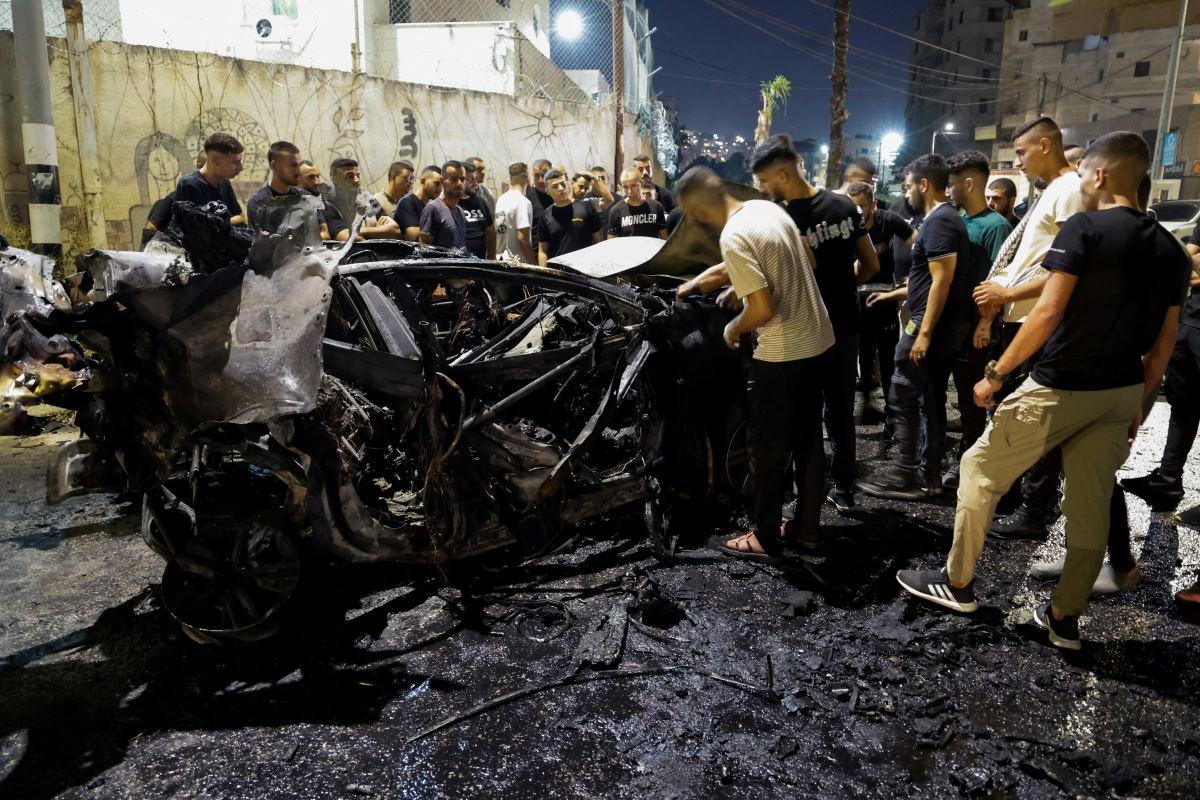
[(824, 149), (949, 126), (569, 25), (892, 141)]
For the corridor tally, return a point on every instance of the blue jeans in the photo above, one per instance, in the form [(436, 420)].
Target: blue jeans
[(917, 403)]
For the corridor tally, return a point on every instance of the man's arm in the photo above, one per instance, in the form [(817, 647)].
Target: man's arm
[(1154, 363), (1033, 335), (941, 271), (606, 195), (868, 260), (489, 242), (710, 280), (525, 249), (386, 228), (543, 254), (758, 308)]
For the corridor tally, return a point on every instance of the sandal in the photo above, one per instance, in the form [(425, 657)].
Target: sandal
[(743, 548)]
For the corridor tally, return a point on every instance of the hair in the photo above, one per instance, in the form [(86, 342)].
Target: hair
[(645, 158), (220, 142), (775, 150), (552, 175), (863, 163), (1124, 147), (307, 163), (518, 169), (432, 168), (452, 164), (542, 163), (279, 148), (932, 168), (1004, 185), (1047, 126), (861, 187), (701, 183), (969, 160), (600, 169), (631, 174), (473, 159), (342, 163), (1073, 147), (468, 167), (397, 167), (583, 175)]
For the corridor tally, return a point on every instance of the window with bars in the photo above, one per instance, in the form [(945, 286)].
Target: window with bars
[(400, 12)]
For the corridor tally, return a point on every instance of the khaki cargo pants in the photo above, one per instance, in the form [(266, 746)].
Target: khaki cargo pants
[(1092, 428)]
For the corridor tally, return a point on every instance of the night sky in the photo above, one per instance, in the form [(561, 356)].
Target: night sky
[(724, 98)]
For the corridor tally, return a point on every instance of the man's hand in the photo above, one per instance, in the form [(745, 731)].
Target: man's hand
[(729, 300), (983, 334), (990, 295), (685, 289), (731, 335), (920, 347), (984, 391), (1133, 426)]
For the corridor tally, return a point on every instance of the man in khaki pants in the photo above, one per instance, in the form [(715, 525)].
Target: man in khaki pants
[(1106, 323)]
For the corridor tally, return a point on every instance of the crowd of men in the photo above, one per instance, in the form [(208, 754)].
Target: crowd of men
[(1055, 320)]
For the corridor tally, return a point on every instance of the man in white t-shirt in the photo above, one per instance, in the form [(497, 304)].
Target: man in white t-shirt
[(514, 217), (771, 269), (1014, 285)]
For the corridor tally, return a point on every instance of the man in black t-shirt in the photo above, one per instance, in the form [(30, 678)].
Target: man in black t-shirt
[(1105, 324), (442, 221), (567, 225), (538, 170), (650, 189), (284, 160), (939, 305), (1163, 487), (830, 223), (211, 183), (634, 215), (879, 328), (481, 227), (408, 211), (159, 217)]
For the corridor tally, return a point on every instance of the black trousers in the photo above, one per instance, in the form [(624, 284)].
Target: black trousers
[(968, 371), (838, 390), (1183, 392), (879, 330), (785, 426), (917, 402)]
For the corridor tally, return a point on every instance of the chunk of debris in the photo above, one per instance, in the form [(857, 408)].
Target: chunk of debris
[(603, 642), (797, 604)]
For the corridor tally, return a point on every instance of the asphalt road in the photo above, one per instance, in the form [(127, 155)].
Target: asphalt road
[(721, 690)]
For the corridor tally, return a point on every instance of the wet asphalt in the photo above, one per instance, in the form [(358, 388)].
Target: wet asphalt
[(816, 680)]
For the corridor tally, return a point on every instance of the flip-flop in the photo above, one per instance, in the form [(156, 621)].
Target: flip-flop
[(749, 555)]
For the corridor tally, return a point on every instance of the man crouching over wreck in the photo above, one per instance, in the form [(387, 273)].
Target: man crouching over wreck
[(771, 271)]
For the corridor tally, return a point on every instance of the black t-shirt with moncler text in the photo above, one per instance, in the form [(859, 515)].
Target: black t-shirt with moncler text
[(646, 219)]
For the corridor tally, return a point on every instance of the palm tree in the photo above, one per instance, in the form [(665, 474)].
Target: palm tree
[(837, 100), (774, 92)]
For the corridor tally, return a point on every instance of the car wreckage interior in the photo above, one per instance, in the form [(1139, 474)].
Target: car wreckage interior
[(271, 396)]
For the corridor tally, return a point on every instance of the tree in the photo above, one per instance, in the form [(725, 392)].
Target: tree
[(837, 100), (774, 92)]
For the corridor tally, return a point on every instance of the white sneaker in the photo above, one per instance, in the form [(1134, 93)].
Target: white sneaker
[(1109, 582), (1048, 570)]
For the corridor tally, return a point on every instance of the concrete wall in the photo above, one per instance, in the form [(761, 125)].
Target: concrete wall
[(154, 107)]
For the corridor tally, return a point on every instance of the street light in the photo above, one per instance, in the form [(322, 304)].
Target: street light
[(889, 148), (946, 130), (569, 25)]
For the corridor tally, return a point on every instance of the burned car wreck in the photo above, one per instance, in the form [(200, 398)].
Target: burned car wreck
[(271, 396)]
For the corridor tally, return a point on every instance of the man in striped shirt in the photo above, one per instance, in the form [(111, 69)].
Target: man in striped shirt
[(770, 267)]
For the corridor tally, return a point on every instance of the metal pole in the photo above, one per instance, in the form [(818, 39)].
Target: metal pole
[(618, 69), (37, 126), (85, 124), (1164, 114), (933, 141), (356, 45)]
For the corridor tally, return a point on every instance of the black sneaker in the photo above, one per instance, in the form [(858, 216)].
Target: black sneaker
[(842, 499), (934, 586), (893, 485), (1154, 487), (950, 479), (1020, 525), (1063, 632)]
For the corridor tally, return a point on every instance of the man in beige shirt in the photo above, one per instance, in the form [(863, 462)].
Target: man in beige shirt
[(1014, 285)]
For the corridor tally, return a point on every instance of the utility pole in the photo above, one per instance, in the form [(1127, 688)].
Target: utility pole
[(37, 126), (356, 45), (85, 124), (1164, 114), (837, 100), (1041, 105), (618, 73)]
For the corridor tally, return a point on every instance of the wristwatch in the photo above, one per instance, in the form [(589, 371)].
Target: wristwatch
[(991, 374)]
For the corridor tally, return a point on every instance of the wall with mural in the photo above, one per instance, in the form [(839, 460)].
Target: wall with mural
[(154, 107)]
